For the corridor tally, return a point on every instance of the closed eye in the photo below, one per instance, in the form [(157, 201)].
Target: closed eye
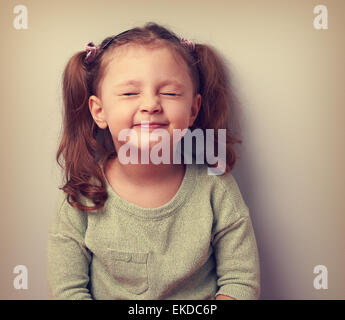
[(164, 93)]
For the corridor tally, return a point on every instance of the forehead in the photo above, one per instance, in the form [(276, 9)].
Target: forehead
[(134, 60)]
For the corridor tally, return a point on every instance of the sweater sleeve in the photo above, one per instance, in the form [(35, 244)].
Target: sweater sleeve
[(234, 244), (68, 258)]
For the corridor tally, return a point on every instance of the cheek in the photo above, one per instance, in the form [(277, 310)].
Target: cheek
[(120, 117), (180, 118), (116, 124)]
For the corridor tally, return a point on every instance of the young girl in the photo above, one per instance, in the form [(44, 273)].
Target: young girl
[(125, 230)]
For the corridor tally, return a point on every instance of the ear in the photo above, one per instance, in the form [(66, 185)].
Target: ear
[(97, 112), (195, 109)]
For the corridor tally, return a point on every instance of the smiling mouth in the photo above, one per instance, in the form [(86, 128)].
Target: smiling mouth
[(150, 125)]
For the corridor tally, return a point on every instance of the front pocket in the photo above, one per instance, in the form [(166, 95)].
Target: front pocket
[(129, 269)]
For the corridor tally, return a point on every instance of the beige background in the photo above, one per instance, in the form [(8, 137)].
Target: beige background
[(289, 79)]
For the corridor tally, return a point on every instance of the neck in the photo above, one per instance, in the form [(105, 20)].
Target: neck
[(143, 174)]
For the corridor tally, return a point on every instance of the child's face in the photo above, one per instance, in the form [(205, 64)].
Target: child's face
[(161, 91)]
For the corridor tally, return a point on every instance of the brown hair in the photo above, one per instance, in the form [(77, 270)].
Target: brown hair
[(86, 148)]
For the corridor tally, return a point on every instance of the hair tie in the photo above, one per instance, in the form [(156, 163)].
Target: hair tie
[(188, 44), (91, 52)]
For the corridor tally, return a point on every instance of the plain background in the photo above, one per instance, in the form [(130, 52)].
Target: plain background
[(289, 81)]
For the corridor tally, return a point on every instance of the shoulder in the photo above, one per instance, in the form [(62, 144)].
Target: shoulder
[(225, 182), (66, 216), (224, 190)]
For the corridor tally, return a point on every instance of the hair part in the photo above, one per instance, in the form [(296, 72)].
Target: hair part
[(85, 148)]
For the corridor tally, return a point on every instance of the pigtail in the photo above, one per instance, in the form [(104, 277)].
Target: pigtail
[(78, 145), (217, 99)]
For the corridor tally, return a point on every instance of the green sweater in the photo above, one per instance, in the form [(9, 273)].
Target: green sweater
[(199, 244)]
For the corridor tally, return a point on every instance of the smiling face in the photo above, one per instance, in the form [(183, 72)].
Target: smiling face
[(145, 85)]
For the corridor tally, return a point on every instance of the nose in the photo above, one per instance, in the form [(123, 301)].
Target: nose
[(150, 104), (151, 108)]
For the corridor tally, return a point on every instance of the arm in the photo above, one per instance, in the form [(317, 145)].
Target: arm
[(68, 258), (234, 245)]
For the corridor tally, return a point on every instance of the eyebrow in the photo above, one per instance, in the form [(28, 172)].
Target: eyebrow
[(163, 83)]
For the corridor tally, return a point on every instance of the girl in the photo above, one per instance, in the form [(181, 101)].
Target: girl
[(125, 230)]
